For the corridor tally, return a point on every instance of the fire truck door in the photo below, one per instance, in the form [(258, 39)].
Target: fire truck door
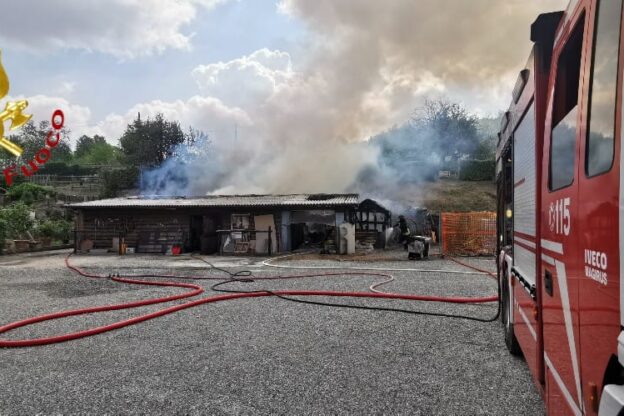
[(599, 189), (560, 229)]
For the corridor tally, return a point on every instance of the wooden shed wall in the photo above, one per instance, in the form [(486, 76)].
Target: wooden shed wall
[(152, 230), (160, 227)]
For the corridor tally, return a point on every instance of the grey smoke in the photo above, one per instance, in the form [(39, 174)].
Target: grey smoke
[(365, 67)]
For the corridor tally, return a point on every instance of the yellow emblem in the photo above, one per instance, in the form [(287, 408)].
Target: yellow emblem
[(12, 111)]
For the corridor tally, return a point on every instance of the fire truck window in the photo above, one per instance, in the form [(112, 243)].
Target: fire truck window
[(563, 138), (600, 132)]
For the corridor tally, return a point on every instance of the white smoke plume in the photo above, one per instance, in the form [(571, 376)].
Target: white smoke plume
[(302, 126)]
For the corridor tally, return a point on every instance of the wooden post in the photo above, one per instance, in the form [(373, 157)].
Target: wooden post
[(270, 242), (440, 241), (119, 243)]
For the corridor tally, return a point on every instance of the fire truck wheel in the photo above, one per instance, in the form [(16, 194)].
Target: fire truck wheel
[(507, 310)]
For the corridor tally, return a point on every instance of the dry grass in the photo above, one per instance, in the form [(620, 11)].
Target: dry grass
[(453, 196)]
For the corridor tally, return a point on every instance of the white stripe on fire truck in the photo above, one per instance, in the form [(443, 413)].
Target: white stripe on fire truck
[(526, 321), (562, 386), (525, 242), (567, 317), (552, 246), (548, 259)]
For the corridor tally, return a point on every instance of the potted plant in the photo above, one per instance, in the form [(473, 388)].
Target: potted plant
[(63, 231), (48, 231), (19, 220), (21, 245)]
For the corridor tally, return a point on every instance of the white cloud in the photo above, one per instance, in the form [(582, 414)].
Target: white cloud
[(204, 113), (249, 80), (207, 114), (41, 107), (123, 28)]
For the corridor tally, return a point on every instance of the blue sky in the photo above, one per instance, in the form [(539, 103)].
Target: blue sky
[(106, 83)]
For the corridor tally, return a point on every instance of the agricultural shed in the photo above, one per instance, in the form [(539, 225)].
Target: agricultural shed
[(371, 221), (235, 224)]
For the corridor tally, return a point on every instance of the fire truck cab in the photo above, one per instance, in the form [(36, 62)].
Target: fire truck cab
[(560, 210)]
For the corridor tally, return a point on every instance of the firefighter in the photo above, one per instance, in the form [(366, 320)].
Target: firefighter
[(405, 231)]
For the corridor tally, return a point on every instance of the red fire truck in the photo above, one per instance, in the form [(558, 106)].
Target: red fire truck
[(561, 210)]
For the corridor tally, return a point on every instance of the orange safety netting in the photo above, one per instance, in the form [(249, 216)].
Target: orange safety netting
[(468, 233)]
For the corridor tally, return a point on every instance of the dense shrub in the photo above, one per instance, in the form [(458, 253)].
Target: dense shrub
[(55, 229), (63, 230), (46, 229), (28, 192), (477, 170), (66, 169)]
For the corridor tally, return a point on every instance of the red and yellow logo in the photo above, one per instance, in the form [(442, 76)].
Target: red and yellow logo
[(13, 111)]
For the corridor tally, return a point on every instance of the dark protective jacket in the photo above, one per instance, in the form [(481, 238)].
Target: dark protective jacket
[(405, 231)]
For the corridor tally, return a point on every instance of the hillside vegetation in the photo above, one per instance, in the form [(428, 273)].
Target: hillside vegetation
[(449, 195)]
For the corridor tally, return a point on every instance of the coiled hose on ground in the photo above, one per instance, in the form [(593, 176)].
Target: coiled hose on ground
[(245, 276)]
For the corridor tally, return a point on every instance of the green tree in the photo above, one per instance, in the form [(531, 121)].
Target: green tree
[(453, 131), (31, 137), (150, 142), (118, 179), (103, 154), (97, 152), (85, 143), (486, 149), (488, 132)]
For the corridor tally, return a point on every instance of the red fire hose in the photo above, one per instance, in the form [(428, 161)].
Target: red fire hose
[(194, 291), (474, 268)]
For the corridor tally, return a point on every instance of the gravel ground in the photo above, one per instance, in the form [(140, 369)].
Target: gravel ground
[(257, 356)]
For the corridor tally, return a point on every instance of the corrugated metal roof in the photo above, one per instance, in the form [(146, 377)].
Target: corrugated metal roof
[(297, 200)]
